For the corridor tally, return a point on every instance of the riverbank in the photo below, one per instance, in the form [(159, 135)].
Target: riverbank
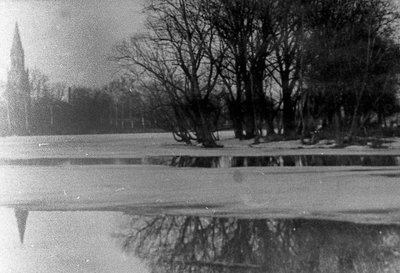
[(163, 144)]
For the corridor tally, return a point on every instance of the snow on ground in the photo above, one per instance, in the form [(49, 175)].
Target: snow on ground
[(139, 145), (358, 194)]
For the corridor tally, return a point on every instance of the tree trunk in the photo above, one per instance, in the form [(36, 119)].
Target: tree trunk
[(338, 131), (288, 109), (51, 115), (237, 127), (270, 125), (254, 96), (122, 117), (355, 119), (354, 127), (110, 116), (205, 135), (236, 116), (250, 126), (116, 117)]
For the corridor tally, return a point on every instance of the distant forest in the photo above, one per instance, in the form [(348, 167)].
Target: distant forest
[(58, 109), (268, 69)]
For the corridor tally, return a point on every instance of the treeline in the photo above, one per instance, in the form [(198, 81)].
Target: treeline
[(289, 68), (56, 108)]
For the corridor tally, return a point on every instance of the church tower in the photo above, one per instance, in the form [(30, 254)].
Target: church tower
[(17, 91)]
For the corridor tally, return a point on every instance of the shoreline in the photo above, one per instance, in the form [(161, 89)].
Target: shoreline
[(163, 144)]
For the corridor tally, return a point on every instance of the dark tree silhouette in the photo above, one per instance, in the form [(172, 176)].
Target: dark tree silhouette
[(202, 244), (172, 60)]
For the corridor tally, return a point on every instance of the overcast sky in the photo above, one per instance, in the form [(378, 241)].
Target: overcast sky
[(69, 40)]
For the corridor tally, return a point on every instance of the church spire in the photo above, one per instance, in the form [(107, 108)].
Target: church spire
[(17, 44), (17, 91), (17, 52)]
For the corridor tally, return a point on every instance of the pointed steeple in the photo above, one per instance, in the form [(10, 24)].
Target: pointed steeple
[(17, 44), (18, 94), (17, 52)]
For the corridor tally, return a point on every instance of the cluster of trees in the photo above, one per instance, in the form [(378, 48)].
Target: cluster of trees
[(56, 108), (270, 66), (202, 244), (115, 108)]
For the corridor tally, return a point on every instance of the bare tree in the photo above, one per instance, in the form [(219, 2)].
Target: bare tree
[(246, 29), (175, 57), (349, 43), (284, 66)]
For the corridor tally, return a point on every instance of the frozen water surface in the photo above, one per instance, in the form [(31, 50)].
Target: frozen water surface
[(101, 241), (144, 203), (64, 242)]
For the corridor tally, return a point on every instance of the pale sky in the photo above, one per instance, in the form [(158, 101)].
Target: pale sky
[(69, 40)]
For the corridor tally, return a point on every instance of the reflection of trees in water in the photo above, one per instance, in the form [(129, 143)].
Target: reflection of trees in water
[(288, 160), (190, 161), (197, 244), (220, 161)]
